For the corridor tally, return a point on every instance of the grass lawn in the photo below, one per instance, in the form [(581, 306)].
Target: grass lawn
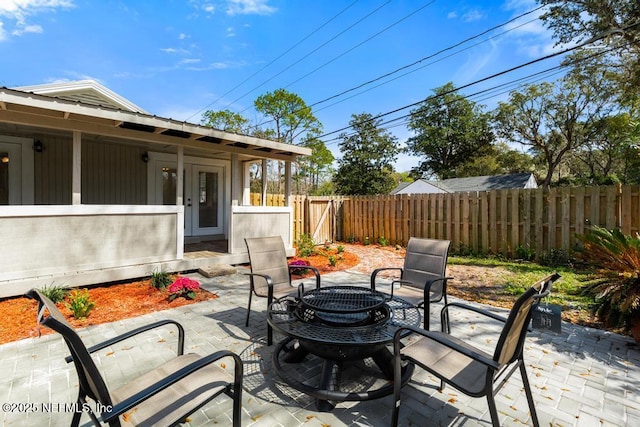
[(511, 278)]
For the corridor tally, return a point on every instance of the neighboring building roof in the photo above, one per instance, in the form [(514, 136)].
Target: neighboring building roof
[(85, 91), (475, 183)]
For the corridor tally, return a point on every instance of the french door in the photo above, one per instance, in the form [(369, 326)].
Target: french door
[(203, 195)]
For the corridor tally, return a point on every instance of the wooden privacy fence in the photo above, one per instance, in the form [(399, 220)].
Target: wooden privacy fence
[(498, 221)]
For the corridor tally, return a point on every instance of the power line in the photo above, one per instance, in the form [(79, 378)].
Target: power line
[(544, 74), (492, 76), (361, 43), (275, 59), (417, 69), (417, 62), (310, 53), (433, 55)]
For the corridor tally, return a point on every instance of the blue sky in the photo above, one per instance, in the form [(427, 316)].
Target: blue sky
[(177, 58)]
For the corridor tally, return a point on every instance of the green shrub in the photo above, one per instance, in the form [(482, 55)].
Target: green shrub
[(383, 241), (54, 293), (161, 279), (306, 245), (333, 260), (340, 249), (80, 304), (555, 258), (617, 256), (366, 241), (525, 253)]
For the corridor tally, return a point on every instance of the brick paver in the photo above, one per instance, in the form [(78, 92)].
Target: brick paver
[(583, 376)]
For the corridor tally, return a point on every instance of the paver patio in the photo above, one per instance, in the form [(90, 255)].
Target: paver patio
[(582, 376)]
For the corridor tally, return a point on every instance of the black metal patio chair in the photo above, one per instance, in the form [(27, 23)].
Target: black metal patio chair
[(467, 368), (163, 396), (422, 278), (270, 275)]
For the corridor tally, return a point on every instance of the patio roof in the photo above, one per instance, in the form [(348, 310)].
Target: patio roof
[(49, 112)]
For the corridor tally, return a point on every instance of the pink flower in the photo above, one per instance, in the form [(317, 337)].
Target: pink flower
[(183, 287)]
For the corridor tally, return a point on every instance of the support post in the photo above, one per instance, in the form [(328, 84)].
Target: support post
[(76, 169)]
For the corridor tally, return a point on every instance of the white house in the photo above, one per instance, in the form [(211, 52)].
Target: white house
[(95, 189)]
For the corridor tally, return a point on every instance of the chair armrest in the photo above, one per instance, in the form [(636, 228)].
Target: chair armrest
[(267, 278), (441, 339), (135, 332), (308, 267), (378, 270), (157, 387), (445, 312), (429, 283)]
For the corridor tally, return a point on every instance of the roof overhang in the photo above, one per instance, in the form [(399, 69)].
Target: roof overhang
[(29, 109)]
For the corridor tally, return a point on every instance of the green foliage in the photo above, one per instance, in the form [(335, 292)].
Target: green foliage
[(525, 253), (555, 258), (368, 157), (351, 239), (618, 257), (366, 241), (306, 245), (54, 293), (333, 260), (161, 279), (450, 130), (226, 120), (340, 249), (383, 241), (80, 304), (615, 22)]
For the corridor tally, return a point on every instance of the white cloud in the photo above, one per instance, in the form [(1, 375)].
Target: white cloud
[(209, 8), (19, 12), (473, 15), (230, 32), (183, 36), (249, 7), (173, 50)]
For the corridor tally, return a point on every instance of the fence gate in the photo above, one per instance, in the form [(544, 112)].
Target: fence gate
[(321, 219)]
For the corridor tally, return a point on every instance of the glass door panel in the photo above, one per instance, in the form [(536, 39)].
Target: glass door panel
[(206, 187), (208, 199)]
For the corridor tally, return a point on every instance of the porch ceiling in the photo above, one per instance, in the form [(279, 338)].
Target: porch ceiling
[(28, 109)]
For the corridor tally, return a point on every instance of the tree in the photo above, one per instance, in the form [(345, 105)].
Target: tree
[(555, 120), (368, 154), (449, 131), (498, 159), (290, 119), (616, 21), (227, 121), (315, 167)]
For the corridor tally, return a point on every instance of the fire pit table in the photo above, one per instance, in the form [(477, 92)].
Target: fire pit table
[(339, 324)]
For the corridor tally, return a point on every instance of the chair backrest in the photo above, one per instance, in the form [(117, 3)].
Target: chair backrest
[(426, 259), (511, 341), (91, 382), (268, 256)]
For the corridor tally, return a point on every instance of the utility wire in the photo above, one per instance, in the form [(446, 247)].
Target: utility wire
[(418, 62), (419, 68), (517, 82), (310, 53), (275, 59), (433, 55), (362, 43), (492, 76)]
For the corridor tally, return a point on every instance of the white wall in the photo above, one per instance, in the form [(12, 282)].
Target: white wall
[(45, 240)]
